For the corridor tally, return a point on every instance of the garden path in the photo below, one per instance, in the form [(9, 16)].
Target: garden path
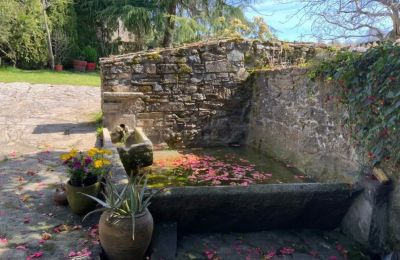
[(37, 123)]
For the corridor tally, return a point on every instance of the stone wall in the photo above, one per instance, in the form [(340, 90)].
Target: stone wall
[(203, 94), (298, 120), (191, 95)]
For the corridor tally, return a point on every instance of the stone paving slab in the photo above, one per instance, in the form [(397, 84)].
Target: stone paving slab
[(37, 124), (41, 116)]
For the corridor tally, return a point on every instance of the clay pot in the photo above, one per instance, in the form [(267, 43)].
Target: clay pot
[(60, 196), (79, 203), (79, 65), (58, 67), (90, 66), (116, 235)]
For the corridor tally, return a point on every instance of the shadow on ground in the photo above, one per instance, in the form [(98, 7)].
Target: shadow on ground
[(27, 211)]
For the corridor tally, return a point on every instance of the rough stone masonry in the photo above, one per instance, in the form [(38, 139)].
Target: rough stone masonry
[(229, 91), (192, 95)]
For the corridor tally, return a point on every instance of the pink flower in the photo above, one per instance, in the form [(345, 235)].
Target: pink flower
[(333, 257)]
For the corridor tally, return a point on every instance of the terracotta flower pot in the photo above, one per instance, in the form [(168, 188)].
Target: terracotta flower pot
[(79, 65), (90, 66), (58, 67), (116, 235), (79, 203)]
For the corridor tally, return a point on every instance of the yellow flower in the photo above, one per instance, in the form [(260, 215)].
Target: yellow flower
[(106, 162), (73, 153), (93, 151), (98, 164), (65, 157), (108, 152)]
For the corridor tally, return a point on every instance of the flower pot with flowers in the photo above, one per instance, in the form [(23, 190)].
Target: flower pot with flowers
[(85, 171)]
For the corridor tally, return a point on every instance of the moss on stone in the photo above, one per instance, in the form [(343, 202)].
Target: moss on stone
[(154, 56), (135, 60), (184, 68)]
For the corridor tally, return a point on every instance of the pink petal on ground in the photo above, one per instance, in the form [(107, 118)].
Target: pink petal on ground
[(21, 247), (209, 254), (35, 255), (270, 255), (286, 250), (3, 241)]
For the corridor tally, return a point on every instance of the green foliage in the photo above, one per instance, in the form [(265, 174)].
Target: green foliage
[(90, 54), (23, 37), (61, 45), (369, 86)]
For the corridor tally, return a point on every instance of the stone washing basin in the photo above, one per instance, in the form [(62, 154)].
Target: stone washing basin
[(135, 151)]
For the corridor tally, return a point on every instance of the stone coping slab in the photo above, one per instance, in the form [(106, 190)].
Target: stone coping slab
[(121, 95)]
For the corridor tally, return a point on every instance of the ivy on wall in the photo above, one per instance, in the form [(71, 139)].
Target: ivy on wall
[(369, 87)]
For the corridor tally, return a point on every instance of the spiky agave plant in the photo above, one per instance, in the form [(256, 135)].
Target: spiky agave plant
[(132, 200)]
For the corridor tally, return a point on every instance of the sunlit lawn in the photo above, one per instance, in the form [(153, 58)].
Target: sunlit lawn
[(9, 74)]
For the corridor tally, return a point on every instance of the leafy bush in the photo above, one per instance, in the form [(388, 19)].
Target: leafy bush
[(369, 86), (90, 54)]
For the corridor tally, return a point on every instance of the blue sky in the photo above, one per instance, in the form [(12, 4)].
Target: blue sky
[(278, 15)]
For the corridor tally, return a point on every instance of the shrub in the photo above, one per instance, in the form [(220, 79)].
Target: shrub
[(89, 54)]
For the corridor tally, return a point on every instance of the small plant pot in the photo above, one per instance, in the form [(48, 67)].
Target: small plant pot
[(79, 203), (60, 196), (79, 65), (58, 67), (90, 66), (115, 234)]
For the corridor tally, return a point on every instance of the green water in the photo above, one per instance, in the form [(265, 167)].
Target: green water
[(234, 166)]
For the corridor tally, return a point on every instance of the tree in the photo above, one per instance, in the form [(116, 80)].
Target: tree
[(351, 18), (25, 29), (8, 14), (45, 5), (164, 22)]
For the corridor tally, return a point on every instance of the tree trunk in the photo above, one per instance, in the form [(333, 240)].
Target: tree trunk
[(170, 26), (50, 47)]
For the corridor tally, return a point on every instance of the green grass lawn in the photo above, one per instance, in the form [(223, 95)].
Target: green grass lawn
[(9, 74)]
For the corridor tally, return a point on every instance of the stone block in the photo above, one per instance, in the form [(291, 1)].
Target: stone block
[(125, 76), (145, 88), (168, 68), (164, 242), (218, 66), (235, 55), (150, 68), (111, 107)]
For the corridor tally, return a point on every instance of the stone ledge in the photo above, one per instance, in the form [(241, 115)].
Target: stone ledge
[(121, 95), (254, 208)]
